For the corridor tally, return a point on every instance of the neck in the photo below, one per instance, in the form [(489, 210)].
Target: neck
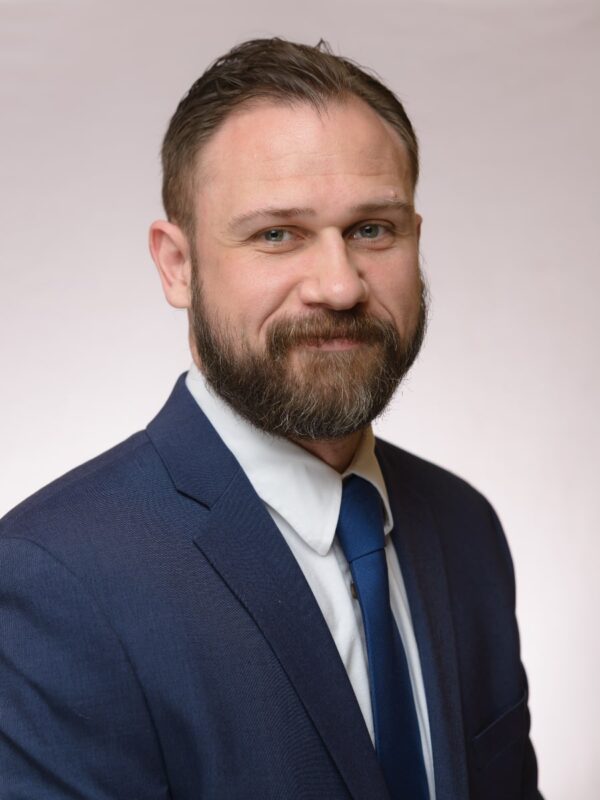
[(336, 453)]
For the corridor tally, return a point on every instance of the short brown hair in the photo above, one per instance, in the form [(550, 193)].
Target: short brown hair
[(262, 69)]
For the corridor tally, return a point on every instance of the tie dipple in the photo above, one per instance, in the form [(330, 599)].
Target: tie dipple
[(397, 737)]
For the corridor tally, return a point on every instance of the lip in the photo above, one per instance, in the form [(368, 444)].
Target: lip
[(335, 344)]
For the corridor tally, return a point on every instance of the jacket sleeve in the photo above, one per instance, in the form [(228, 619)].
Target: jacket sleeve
[(73, 718)]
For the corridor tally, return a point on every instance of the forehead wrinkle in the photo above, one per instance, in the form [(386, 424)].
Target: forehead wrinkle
[(295, 161)]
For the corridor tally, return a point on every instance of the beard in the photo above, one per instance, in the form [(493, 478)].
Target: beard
[(326, 395)]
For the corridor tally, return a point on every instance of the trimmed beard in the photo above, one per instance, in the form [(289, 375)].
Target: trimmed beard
[(328, 394)]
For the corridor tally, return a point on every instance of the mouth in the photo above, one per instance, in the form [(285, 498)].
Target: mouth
[(332, 344)]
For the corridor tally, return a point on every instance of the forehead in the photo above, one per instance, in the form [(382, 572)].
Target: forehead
[(273, 148)]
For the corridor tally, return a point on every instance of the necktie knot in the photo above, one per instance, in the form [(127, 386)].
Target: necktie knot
[(360, 524)]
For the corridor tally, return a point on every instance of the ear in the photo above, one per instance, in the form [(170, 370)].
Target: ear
[(418, 223), (170, 252)]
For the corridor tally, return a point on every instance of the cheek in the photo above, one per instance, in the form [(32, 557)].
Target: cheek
[(247, 296), (398, 291)]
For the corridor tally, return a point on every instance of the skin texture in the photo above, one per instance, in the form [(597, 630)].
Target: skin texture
[(299, 211)]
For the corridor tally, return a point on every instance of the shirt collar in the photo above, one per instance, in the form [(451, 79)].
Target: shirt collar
[(298, 486)]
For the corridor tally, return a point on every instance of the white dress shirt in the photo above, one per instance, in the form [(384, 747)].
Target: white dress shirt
[(303, 495)]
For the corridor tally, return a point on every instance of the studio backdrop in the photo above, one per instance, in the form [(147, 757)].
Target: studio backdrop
[(505, 100)]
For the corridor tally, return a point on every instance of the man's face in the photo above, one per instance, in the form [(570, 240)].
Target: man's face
[(307, 304)]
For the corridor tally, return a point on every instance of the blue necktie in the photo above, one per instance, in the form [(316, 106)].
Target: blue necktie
[(397, 737)]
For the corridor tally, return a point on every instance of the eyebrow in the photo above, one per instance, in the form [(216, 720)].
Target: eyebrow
[(274, 212), (269, 211), (382, 205)]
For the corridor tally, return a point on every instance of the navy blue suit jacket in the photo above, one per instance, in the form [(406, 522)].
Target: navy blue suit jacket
[(158, 639)]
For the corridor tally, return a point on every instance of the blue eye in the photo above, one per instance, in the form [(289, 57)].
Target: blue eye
[(370, 231), (274, 235)]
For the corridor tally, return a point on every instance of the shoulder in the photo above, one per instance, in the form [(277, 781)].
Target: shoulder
[(87, 493), (414, 473), (468, 525)]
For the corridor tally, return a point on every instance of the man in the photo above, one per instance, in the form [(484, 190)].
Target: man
[(253, 598)]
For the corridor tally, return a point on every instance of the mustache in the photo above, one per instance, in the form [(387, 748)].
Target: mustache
[(328, 324)]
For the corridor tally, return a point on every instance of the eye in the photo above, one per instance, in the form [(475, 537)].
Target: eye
[(371, 230), (275, 236)]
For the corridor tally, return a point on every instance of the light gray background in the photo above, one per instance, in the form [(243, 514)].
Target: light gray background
[(505, 101)]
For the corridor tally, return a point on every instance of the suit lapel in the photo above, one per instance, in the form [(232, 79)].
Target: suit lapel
[(421, 560), (244, 546)]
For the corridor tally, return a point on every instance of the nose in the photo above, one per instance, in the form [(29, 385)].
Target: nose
[(332, 278)]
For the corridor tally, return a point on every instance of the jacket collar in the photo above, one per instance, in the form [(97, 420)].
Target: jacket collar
[(299, 487), (195, 457)]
